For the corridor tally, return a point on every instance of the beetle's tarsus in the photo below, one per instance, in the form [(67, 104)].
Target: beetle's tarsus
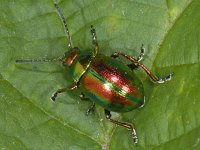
[(134, 136), (55, 94), (123, 124), (90, 109), (94, 37), (94, 42), (53, 98), (142, 50), (167, 78)]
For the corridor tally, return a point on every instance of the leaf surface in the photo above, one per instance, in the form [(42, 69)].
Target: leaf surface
[(170, 31)]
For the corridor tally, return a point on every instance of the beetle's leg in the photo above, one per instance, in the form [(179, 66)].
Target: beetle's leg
[(132, 66), (70, 43), (154, 78), (90, 109), (53, 97), (142, 50), (138, 59), (96, 49), (123, 124), (94, 41), (136, 63)]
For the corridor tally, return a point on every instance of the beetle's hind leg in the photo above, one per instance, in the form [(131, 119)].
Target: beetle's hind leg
[(123, 124)]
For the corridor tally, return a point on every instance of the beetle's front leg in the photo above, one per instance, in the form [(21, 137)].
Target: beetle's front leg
[(55, 94), (142, 50), (94, 41), (123, 124)]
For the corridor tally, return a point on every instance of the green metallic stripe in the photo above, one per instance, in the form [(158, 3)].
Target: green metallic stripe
[(99, 101), (78, 71), (113, 87), (97, 79)]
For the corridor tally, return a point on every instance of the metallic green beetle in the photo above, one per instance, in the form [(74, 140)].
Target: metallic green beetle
[(104, 80)]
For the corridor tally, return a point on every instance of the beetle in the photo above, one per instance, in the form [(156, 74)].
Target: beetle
[(104, 80)]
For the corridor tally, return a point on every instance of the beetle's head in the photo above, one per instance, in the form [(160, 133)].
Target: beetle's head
[(70, 56)]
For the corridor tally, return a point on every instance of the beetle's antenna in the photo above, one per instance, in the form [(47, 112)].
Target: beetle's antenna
[(70, 44), (38, 60)]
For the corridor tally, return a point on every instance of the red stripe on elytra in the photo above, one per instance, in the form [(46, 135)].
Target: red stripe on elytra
[(104, 90), (97, 87), (114, 77)]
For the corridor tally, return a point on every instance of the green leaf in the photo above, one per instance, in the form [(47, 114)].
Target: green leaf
[(170, 31)]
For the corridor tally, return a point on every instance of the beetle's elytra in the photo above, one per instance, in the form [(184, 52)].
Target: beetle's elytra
[(104, 80)]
